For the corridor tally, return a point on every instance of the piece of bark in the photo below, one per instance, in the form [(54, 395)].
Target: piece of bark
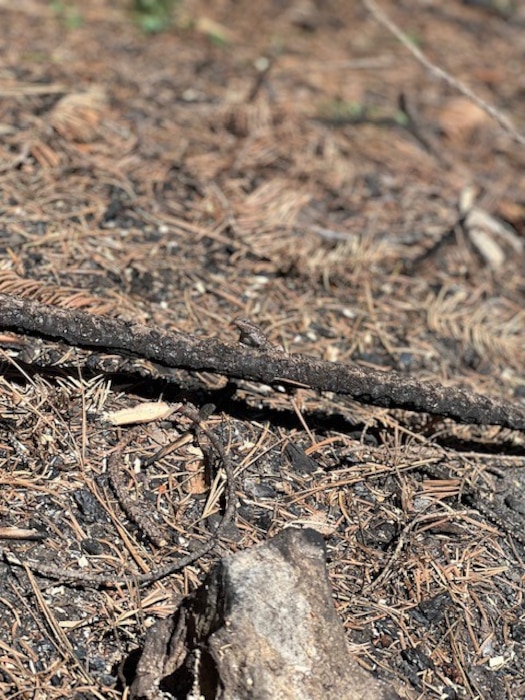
[(262, 626)]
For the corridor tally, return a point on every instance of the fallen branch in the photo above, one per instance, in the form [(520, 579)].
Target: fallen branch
[(268, 365)]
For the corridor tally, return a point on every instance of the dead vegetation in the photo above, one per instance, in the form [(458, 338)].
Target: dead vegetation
[(180, 182)]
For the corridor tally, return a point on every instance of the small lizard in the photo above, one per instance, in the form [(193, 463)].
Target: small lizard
[(252, 336)]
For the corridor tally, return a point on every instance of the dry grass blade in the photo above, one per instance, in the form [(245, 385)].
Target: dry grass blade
[(216, 492)]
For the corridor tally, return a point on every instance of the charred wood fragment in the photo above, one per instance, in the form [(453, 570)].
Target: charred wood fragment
[(268, 365)]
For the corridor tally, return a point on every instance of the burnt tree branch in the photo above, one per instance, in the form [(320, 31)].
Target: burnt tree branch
[(268, 366)]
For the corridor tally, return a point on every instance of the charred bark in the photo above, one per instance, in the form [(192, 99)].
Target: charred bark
[(268, 366)]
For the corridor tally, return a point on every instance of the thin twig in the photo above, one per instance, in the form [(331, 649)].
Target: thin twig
[(383, 19), (133, 509)]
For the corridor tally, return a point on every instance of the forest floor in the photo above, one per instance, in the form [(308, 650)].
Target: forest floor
[(292, 163)]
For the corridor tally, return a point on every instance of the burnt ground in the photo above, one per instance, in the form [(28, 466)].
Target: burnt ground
[(292, 163)]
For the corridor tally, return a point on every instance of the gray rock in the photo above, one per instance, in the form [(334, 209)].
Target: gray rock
[(262, 626)]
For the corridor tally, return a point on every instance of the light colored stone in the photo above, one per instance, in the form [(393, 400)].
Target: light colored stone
[(266, 628)]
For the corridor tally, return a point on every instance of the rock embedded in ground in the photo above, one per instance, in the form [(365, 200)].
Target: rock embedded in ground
[(262, 626)]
